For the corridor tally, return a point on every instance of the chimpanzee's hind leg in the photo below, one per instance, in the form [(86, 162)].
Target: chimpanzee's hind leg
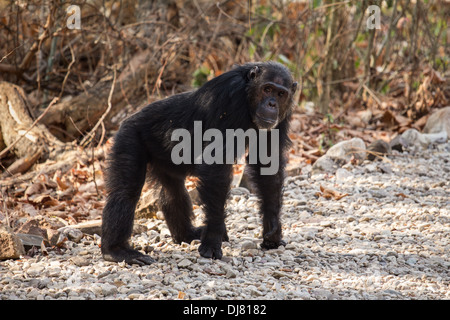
[(177, 208)]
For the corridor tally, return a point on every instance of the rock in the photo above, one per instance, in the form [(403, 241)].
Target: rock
[(185, 263), (325, 164), (201, 260), (414, 138), (377, 149), (231, 274), (322, 294), (340, 154), (398, 143), (148, 204), (30, 240), (342, 174), (71, 234), (205, 297), (10, 245), (32, 227), (239, 191), (280, 274), (53, 236), (302, 294), (347, 149), (108, 289), (35, 270), (438, 122), (379, 193), (80, 261), (385, 168), (326, 224), (294, 169), (246, 245), (139, 228), (411, 261)]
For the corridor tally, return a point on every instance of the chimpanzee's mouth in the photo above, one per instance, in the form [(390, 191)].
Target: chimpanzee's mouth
[(264, 123)]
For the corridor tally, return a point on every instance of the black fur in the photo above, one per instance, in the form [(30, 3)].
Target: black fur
[(143, 146)]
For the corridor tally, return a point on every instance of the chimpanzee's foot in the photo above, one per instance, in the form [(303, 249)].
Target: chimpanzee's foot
[(126, 254), (268, 244), (211, 249)]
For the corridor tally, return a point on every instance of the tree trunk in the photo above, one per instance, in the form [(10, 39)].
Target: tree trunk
[(16, 126)]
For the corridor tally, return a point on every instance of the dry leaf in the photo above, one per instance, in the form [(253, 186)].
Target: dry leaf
[(328, 193), (61, 184), (392, 119), (35, 188), (45, 200)]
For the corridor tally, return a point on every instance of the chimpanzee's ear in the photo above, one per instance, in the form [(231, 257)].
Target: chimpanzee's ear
[(254, 72), (294, 87)]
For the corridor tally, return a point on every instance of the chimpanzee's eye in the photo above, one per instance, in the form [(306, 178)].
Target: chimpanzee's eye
[(281, 94), (267, 89)]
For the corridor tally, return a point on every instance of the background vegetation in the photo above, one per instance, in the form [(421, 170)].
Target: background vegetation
[(71, 88)]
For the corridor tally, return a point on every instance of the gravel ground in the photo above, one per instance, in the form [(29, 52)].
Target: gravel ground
[(388, 239)]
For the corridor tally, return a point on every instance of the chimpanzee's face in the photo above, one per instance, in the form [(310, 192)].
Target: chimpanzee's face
[(271, 92)]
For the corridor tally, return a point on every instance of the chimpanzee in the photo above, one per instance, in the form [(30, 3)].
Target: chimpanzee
[(256, 96)]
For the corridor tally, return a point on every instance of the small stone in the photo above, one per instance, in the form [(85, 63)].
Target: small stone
[(160, 215), (54, 272), (346, 149), (231, 273), (254, 291), (108, 289), (377, 149), (136, 296), (35, 270), (280, 274), (80, 261), (392, 254), (309, 235), (326, 224), (322, 293), (252, 226), (342, 174), (201, 260), (185, 263), (302, 294), (71, 234), (411, 261), (246, 245), (438, 122), (10, 245)]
